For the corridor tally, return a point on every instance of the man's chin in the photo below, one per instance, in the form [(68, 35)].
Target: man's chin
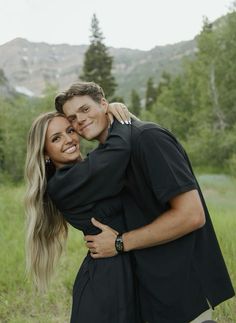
[(87, 137)]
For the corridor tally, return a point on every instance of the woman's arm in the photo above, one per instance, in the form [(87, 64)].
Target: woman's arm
[(99, 176), (120, 112)]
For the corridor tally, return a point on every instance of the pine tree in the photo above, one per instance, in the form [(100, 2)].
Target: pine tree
[(3, 79), (164, 82), (135, 106), (97, 62), (151, 94)]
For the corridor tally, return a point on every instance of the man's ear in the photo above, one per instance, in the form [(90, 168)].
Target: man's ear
[(104, 105)]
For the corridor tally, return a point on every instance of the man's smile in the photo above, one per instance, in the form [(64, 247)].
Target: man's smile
[(85, 126)]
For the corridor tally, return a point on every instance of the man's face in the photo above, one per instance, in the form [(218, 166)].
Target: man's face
[(88, 117)]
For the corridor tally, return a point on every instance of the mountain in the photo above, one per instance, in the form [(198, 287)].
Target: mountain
[(6, 90), (30, 67)]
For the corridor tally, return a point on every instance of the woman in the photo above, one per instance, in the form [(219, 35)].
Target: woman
[(104, 290)]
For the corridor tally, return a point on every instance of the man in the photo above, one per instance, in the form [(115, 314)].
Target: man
[(178, 263)]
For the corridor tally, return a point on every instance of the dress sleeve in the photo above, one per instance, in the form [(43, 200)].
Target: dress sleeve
[(165, 164), (99, 176)]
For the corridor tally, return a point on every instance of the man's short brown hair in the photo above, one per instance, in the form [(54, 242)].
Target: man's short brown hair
[(79, 89)]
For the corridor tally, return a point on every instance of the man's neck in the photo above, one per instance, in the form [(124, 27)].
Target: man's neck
[(103, 136)]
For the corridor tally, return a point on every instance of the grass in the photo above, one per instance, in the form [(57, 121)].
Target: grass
[(19, 303), (220, 195)]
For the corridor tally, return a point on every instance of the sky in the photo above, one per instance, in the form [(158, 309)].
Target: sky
[(136, 24)]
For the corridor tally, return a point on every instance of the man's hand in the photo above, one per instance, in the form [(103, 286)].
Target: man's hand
[(102, 245)]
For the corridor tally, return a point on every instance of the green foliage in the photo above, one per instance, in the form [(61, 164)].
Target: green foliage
[(16, 116), (135, 105), (151, 94), (164, 83), (117, 98), (97, 62), (231, 163), (199, 105), (3, 78), (13, 130)]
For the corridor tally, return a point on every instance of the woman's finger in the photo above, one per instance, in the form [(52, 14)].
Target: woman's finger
[(120, 112), (123, 112), (98, 224)]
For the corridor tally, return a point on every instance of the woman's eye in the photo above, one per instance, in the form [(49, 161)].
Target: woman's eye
[(71, 130), (55, 139)]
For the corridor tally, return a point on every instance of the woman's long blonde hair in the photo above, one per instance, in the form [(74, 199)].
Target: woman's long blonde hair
[(46, 230)]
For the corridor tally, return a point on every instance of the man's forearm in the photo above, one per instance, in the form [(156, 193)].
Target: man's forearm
[(162, 230), (180, 220), (186, 214)]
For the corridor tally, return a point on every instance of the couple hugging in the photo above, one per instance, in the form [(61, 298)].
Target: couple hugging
[(153, 256)]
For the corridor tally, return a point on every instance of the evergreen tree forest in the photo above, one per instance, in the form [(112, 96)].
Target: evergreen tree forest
[(198, 105)]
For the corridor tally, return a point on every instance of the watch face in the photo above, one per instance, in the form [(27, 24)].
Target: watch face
[(119, 244)]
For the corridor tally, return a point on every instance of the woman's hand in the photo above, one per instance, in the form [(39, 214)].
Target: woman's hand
[(119, 111), (102, 245)]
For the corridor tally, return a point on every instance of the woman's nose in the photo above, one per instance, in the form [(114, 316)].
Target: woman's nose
[(68, 138)]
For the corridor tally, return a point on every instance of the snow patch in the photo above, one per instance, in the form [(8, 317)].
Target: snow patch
[(24, 90)]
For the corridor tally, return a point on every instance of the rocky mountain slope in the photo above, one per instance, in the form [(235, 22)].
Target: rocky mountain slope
[(30, 67)]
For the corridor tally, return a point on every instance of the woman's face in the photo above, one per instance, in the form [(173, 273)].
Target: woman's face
[(61, 142)]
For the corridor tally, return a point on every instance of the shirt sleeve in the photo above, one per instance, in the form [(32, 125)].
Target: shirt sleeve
[(99, 176), (164, 163)]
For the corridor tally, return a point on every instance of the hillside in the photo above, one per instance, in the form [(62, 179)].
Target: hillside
[(30, 66)]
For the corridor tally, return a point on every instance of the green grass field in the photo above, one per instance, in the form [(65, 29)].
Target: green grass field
[(19, 303)]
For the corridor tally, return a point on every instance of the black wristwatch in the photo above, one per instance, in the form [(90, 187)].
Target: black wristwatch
[(119, 245)]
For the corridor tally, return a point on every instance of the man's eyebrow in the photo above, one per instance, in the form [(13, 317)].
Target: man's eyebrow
[(83, 106), (78, 110)]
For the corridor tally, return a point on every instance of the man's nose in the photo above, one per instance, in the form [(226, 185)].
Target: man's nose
[(80, 118)]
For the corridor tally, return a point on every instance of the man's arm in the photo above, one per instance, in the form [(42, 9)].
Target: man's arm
[(163, 163), (185, 215)]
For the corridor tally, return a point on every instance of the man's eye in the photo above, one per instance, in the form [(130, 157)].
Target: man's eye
[(71, 119), (85, 109)]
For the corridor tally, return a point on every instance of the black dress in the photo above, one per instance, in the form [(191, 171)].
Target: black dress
[(104, 289)]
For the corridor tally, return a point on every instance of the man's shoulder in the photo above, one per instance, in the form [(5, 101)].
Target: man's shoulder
[(146, 129)]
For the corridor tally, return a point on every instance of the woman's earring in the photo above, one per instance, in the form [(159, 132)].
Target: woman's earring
[(48, 161)]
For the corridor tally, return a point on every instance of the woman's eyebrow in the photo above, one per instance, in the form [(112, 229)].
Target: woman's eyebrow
[(55, 134)]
